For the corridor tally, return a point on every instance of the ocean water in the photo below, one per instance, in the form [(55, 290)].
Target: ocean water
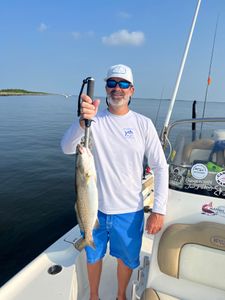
[(37, 179)]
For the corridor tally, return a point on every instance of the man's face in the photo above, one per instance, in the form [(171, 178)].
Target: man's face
[(118, 96)]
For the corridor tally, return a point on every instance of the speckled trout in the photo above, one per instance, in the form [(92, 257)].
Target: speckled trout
[(86, 205)]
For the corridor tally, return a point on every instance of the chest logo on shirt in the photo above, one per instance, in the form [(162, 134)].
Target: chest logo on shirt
[(128, 133)]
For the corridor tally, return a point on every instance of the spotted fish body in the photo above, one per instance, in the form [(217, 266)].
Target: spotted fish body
[(87, 195)]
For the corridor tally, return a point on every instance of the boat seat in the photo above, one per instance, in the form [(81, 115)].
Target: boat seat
[(193, 252), (150, 294), (197, 150)]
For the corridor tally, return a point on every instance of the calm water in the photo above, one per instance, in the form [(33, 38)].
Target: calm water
[(36, 178)]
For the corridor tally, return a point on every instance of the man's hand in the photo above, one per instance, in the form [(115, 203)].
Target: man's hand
[(88, 108), (154, 223)]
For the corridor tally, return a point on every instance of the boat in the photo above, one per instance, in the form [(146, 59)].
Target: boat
[(60, 271), (185, 260)]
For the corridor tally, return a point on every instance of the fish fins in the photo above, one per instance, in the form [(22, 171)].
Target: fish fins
[(81, 243)]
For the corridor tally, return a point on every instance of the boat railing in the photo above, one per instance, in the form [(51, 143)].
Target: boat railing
[(166, 133), (197, 120)]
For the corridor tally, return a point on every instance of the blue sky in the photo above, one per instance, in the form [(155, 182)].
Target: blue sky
[(53, 45)]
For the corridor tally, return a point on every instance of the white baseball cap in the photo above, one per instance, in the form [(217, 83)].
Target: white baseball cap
[(120, 71)]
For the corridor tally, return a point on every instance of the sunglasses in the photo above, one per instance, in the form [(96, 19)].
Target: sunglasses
[(122, 84)]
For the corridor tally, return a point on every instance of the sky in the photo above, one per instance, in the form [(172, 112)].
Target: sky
[(52, 45)]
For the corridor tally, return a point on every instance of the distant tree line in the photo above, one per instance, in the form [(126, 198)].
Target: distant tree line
[(18, 91)]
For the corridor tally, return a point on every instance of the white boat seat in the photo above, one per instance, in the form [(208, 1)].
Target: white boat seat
[(197, 150), (194, 252), (204, 150), (206, 234)]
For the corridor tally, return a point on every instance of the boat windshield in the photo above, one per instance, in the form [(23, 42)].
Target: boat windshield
[(197, 160)]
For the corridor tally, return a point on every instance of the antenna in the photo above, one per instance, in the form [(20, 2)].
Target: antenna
[(209, 74), (164, 131)]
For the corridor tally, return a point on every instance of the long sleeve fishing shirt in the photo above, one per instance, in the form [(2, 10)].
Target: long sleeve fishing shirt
[(120, 144)]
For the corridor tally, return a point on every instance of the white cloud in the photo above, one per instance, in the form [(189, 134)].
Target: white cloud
[(42, 27), (124, 15), (123, 37)]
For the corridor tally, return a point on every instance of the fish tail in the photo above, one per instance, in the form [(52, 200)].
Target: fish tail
[(82, 243)]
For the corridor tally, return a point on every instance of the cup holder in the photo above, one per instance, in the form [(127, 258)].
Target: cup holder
[(55, 269)]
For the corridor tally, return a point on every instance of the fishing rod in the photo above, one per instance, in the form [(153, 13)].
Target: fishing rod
[(165, 128), (90, 92), (209, 74), (193, 125), (157, 115)]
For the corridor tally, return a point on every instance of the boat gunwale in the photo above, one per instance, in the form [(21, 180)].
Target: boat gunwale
[(197, 120)]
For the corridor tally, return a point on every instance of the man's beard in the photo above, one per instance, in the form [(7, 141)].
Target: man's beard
[(117, 102)]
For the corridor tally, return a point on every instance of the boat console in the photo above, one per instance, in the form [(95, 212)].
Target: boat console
[(197, 164)]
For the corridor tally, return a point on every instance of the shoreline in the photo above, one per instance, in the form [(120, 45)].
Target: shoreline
[(21, 92), (24, 94)]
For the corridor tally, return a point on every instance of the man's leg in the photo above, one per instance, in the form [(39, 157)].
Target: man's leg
[(123, 276), (95, 256), (94, 275)]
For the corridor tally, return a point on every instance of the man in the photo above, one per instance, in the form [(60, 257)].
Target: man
[(122, 139)]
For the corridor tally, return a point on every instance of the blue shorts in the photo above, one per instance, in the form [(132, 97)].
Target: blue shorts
[(124, 233)]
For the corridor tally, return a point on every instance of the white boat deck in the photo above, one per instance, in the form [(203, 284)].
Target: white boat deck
[(34, 282)]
